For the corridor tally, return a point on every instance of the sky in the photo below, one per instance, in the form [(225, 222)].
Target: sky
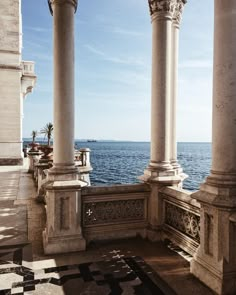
[(113, 69)]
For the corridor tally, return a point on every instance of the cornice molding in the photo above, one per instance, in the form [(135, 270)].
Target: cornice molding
[(160, 6), (62, 2)]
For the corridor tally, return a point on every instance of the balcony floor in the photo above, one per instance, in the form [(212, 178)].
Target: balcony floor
[(130, 266)]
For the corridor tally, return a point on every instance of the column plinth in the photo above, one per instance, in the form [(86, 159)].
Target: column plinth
[(215, 260)]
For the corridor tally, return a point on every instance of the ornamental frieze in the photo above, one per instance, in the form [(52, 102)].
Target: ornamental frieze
[(161, 6), (113, 211)]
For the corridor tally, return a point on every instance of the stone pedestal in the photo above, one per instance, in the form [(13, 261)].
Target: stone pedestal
[(84, 165), (215, 260), (63, 229), (33, 158)]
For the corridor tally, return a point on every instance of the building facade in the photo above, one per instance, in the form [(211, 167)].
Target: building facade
[(17, 78)]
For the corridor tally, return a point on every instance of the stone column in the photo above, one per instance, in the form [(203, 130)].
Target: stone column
[(63, 231), (161, 15), (160, 172), (174, 82), (215, 260), (63, 52)]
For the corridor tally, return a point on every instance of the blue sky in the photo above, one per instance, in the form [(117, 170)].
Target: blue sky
[(113, 69)]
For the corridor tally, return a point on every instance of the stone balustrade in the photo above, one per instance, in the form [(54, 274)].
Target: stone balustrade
[(181, 218), (114, 211), (39, 166), (28, 68)]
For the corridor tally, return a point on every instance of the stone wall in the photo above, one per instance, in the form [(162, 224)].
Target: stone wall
[(12, 82)]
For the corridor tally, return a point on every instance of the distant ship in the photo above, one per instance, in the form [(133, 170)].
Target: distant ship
[(91, 140)]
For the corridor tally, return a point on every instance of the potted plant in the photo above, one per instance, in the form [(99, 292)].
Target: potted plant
[(33, 144), (47, 130)]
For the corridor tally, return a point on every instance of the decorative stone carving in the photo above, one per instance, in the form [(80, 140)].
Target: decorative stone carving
[(178, 11), (113, 211), (161, 6), (62, 2), (183, 220)]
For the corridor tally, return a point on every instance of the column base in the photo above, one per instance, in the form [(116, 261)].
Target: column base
[(154, 234), (166, 177), (63, 172), (220, 283), (63, 244), (214, 263)]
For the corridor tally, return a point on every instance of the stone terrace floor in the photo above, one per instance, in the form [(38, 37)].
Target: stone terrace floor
[(131, 266)]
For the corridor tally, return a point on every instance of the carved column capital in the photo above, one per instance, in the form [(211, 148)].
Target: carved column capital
[(161, 6), (62, 2), (178, 11)]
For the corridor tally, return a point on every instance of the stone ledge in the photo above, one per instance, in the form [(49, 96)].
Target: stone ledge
[(11, 161)]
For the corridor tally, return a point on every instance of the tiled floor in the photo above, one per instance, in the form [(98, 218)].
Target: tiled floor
[(132, 266), (114, 273)]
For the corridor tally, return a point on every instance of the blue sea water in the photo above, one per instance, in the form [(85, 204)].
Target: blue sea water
[(122, 162)]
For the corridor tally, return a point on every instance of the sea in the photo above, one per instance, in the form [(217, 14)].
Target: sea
[(118, 162)]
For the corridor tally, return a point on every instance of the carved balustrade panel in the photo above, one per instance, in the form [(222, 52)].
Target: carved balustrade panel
[(104, 212), (183, 220)]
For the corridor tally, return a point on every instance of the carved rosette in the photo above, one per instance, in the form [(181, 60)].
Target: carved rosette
[(62, 2), (178, 11), (160, 6)]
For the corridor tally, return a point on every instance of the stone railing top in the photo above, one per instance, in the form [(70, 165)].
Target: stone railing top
[(116, 189), (180, 195)]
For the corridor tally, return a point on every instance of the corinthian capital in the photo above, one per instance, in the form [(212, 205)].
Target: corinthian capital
[(51, 3), (178, 11), (156, 6)]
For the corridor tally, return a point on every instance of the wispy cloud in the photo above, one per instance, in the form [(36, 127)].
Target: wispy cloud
[(196, 64), (94, 50), (115, 59), (126, 32), (38, 29)]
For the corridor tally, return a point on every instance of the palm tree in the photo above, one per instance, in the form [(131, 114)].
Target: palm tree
[(47, 131), (34, 135)]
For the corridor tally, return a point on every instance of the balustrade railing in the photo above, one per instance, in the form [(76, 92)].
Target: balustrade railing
[(28, 68), (114, 212), (181, 218)]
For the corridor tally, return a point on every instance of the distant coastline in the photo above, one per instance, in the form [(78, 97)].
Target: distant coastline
[(28, 139)]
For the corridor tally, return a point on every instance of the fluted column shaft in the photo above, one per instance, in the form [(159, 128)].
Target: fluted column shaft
[(63, 38)]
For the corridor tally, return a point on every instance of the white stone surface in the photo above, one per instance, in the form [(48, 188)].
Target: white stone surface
[(215, 260), (11, 99)]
